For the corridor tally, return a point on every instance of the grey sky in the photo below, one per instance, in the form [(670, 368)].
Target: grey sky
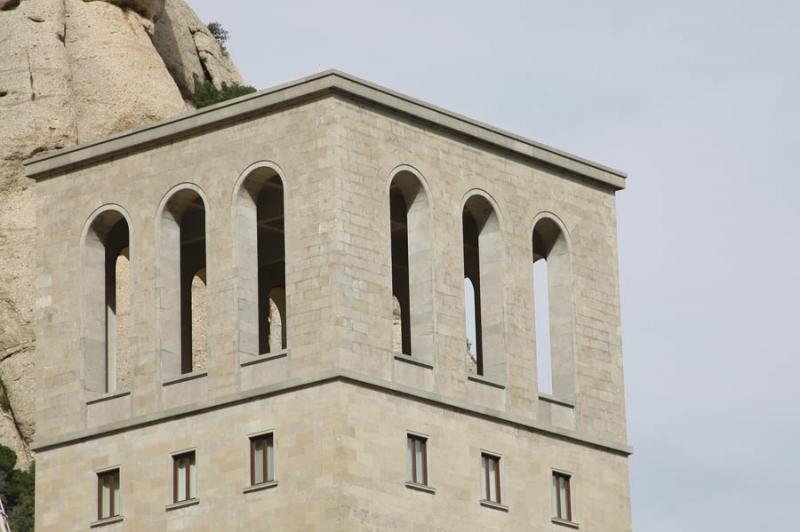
[(698, 102)]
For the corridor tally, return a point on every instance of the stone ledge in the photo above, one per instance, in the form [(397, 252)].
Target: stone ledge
[(408, 359), (266, 357), (182, 504), (561, 402), (259, 487), (421, 487), (563, 522), (494, 506), (186, 377), (107, 522), (320, 379), (488, 382), (108, 397)]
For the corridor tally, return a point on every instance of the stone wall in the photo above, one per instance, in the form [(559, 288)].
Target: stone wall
[(340, 466), (72, 71)]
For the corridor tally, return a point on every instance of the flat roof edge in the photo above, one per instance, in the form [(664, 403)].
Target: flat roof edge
[(295, 92)]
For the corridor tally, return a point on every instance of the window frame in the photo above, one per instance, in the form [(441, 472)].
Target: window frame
[(560, 477), (113, 511), (423, 440), (487, 457), (269, 473), (176, 458)]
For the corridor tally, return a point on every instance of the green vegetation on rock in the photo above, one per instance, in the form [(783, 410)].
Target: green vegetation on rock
[(220, 34), (206, 93), (17, 491)]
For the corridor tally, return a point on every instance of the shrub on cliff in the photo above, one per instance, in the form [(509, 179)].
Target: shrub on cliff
[(17, 491), (206, 93)]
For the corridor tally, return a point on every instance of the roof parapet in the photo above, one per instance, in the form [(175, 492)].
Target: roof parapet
[(295, 93)]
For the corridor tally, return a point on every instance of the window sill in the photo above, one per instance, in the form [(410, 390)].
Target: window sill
[(259, 487), (186, 377), (489, 382), (106, 522), (563, 522), (182, 504), (550, 399), (265, 357), (108, 397), (408, 359), (494, 506), (420, 487)]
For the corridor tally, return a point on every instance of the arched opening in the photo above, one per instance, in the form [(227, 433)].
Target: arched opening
[(483, 269), (412, 267), (552, 295), (261, 294), (183, 298), (107, 303)]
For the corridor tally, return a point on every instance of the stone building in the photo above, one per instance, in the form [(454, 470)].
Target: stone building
[(252, 317)]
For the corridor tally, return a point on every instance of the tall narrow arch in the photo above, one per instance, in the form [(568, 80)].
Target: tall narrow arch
[(553, 309), (412, 266), (483, 274), (106, 295), (183, 295), (261, 253)]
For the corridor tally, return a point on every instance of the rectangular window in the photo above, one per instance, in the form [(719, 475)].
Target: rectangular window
[(262, 459), (108, 494), (184, 477), (490, 484), (417, 460), (562, 497)]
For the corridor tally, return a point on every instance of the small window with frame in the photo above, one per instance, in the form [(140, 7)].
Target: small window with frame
[(562, 496), (490, 481), (184, 477), (108, 497), (262, 459), (417, 451)]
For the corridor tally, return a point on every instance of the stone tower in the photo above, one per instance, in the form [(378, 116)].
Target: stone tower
[(293, 268)]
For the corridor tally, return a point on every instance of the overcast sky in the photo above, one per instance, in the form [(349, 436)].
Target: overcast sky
[(698, 102)]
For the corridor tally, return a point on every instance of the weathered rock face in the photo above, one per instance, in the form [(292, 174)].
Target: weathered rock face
[(150, 9), (72, 71), (189, 50), (118, 79)]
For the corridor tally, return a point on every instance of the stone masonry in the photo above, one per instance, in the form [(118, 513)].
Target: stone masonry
[(337, 396), (72, 71)]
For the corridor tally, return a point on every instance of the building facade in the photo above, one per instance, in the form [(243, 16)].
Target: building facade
[(252, 317)]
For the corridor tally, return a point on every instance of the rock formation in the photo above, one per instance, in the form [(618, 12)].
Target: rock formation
[(72, 71)]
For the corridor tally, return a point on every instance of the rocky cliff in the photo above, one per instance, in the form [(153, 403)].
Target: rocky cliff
[(72, 71)]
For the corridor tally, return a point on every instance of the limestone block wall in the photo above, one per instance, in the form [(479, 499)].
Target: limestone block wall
[(336, 160), (340, 465), (139, 184), (375, 146)]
